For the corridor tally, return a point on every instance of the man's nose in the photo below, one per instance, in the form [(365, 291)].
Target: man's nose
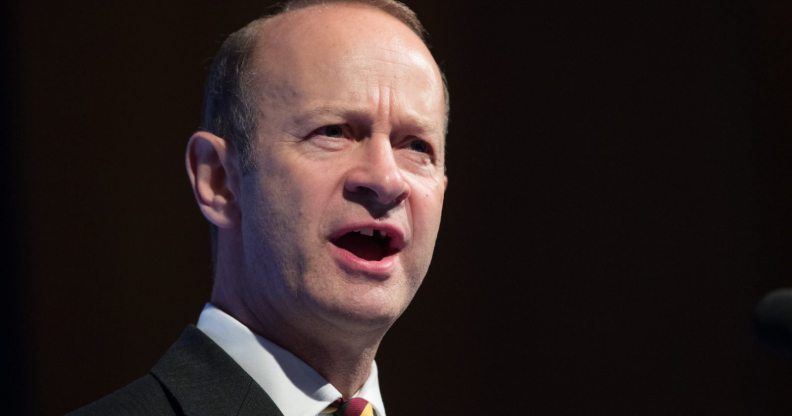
[(376, 176)]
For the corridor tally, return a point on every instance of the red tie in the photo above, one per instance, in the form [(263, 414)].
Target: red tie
[(355, 406)]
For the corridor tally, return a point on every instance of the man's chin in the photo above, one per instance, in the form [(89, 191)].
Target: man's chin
[(364, 317), (357, 301)]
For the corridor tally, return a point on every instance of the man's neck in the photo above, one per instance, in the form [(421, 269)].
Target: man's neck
[(343, 360), (347, 371)]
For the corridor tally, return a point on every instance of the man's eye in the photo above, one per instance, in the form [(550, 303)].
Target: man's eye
[(420, 146), (333, 130)]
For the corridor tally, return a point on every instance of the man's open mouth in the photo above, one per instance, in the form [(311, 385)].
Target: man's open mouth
[(367, 243)]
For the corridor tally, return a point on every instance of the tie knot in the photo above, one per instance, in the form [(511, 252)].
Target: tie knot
[(355, 406)]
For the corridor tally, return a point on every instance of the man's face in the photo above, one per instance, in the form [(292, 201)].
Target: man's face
[(340, 215)]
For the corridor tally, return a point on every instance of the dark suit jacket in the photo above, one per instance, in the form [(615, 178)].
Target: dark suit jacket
[(195, 377)]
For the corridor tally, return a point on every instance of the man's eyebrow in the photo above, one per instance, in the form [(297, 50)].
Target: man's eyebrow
[(325, 111), (425, 126), (415, 122)]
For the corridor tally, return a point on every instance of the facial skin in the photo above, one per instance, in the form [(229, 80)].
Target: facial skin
[(350, 137)]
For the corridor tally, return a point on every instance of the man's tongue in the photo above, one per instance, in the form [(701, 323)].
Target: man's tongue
[(367, 248)]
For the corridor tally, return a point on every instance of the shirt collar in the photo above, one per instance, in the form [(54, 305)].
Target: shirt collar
[(295, 387)]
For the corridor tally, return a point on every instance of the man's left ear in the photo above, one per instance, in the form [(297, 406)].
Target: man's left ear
[(213, 173)]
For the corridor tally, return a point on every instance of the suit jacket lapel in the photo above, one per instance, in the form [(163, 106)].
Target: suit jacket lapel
[(205, 381)]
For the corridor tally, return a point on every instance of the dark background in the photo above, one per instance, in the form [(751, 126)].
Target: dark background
[(619, 200)]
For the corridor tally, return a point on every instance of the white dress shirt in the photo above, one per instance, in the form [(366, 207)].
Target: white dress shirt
[(296, 388)]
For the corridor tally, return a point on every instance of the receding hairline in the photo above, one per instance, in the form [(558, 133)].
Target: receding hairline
[(396, 10), (269, 31), (258, 30)]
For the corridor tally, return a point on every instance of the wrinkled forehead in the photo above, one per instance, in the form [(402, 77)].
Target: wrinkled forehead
[(355, 25), (317, 42)]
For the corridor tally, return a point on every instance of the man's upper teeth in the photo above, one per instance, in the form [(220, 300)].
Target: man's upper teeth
[(370, 232)]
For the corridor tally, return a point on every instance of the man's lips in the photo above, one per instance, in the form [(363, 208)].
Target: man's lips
[(368, 247)]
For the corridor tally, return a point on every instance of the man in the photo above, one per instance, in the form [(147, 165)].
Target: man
[(320, 164)]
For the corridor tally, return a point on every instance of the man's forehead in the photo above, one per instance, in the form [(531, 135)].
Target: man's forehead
[(323, 14), (325, 43), (334, 25), (299, 52)]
